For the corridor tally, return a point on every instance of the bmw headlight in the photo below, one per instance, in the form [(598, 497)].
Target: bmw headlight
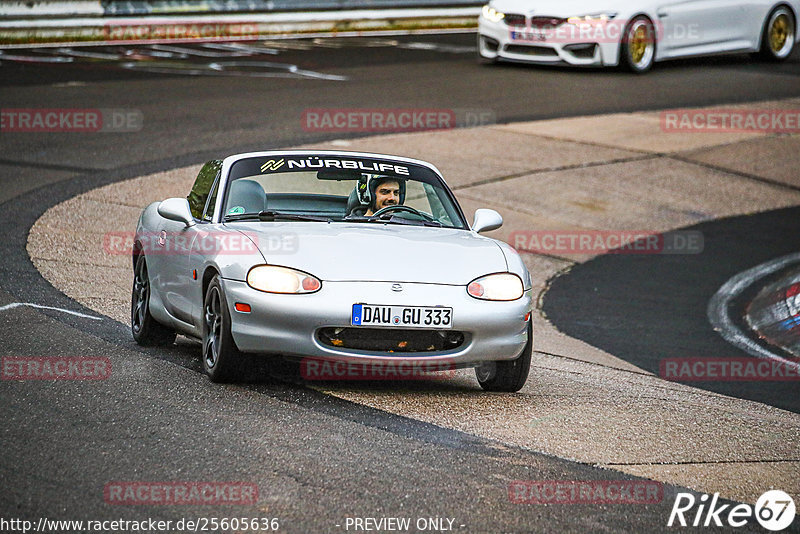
[(491, 14), (274, 279), (595, 19), (500, 286)]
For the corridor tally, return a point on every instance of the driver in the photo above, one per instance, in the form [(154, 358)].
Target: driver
[(386, 191)]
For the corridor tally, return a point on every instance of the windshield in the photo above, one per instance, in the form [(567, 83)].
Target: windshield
[(338, 188)]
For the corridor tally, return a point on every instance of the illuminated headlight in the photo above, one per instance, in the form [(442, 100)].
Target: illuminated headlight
[(491, 14), (274, 279), (597, 19), (501, 286)]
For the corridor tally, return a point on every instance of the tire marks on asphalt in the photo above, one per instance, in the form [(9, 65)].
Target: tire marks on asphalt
[(190, 59)]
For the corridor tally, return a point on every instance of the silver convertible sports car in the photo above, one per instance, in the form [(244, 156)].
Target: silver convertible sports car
[(332, 257)]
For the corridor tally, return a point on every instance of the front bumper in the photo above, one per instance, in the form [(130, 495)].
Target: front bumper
[(288, 324), (562, 48)]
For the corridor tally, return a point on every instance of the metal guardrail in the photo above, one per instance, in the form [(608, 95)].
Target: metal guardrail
[(54, 22), (139, 7), (109, 8)]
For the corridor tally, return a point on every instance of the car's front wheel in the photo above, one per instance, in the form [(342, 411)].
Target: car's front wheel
[(638, 51), (222, 360), (507, 375), (145, 329), (779, 34)]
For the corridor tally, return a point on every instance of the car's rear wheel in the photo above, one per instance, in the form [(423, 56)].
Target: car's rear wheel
[(509, 375), (638, 50), (777, 41), (222, 360), (145, 329)]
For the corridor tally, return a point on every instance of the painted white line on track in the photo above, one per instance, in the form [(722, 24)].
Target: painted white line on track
[(35, 59), (150, 51), (87, 54), (39, 306), (437, 47), (233, 68), (286, 68), (272, 39), (719, 304), (236, 47), (197, 52)]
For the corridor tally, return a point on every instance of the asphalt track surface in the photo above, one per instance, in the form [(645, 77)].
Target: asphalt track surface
[(316, 459), (648, 308)]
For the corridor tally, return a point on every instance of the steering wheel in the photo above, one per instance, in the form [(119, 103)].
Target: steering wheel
[(399, 207)]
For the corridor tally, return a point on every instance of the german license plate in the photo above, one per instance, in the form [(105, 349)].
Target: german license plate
[(529, 36), (402, 316)]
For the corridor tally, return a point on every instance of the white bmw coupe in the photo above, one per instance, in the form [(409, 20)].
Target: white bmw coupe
[(634, 34)]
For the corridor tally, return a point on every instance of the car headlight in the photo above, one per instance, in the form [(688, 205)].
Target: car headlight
[(596, 19), (491, 14), (500, 286), (274, 279)]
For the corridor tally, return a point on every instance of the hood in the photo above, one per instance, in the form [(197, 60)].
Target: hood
[(562, 8), (377, 252)]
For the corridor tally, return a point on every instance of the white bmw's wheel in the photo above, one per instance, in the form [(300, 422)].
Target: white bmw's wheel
[(638, 49), (779, 35)]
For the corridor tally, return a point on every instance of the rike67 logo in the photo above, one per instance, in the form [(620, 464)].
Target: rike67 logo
[(774, 510)]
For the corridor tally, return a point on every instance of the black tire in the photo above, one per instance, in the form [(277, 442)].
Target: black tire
[(145, 329), (638, 51), (222, 359), (507, 375), (778, 35)]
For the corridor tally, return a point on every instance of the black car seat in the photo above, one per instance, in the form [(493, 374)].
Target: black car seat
[(354, 205)]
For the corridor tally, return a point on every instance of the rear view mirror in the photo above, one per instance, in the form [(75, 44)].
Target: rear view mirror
[(339, 174)]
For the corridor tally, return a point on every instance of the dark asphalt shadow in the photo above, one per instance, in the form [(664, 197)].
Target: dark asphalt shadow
[(645, 308)]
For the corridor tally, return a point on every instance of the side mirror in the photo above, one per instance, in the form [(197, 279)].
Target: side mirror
[(486, 220), (176, 209)]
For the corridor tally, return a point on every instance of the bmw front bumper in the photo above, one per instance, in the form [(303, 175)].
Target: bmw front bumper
[(562, 48), (289, 324)]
